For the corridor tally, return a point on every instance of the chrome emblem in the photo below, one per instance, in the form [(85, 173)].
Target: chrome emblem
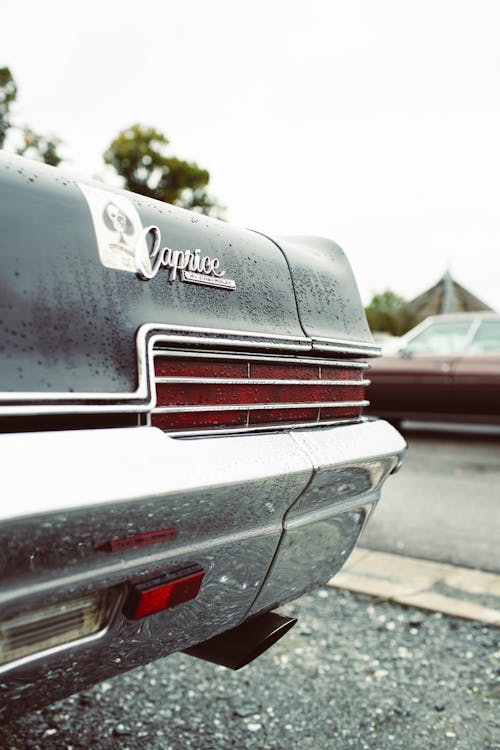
[(124, 244), (191, 265)]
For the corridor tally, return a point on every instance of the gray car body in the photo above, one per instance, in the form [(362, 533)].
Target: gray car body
[(267, 515), (57, 297)]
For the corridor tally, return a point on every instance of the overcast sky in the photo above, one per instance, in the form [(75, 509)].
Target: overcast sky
[(374, 123)]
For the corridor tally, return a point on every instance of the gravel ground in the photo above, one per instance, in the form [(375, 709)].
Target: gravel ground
[(353, 673)]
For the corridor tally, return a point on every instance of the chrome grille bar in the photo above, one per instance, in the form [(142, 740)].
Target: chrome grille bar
[(258, 407), (284, 359), (258, 381)]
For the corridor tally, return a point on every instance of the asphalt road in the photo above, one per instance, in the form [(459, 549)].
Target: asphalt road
[(444, 504), (353, 673)]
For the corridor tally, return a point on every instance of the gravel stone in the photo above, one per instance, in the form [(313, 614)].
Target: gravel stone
[(354, 673)]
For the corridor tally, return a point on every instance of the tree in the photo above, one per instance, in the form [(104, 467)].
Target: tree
[(387, 312), (40, 147), (25, 141), (8, 94), (139, 155)]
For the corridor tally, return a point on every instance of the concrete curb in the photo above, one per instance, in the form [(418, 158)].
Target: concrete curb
[(412, 582)]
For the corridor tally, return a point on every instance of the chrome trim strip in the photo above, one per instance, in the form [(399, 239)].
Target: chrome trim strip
[(257, 407), (143, 398), (47, 408), (336, 509), (255, 342), (221, 333), (253, 357), (348, 347), (276, 427), (255, 381)]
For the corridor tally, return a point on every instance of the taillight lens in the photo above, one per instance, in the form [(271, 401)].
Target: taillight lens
[(206, 392), (55, 626)]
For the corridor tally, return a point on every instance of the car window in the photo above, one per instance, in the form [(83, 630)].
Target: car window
[(487, 338), (440, 338)]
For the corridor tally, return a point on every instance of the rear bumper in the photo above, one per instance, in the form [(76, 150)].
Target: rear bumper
[(267, 517)]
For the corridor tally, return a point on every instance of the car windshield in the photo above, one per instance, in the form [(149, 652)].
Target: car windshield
[(440, 338), (487, 338)]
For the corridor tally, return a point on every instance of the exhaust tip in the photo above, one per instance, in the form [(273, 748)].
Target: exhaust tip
[(239, 646)]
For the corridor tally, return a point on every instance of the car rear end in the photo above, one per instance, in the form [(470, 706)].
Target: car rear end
[(182, 435)]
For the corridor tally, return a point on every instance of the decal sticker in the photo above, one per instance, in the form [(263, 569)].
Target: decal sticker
[(126, 245), (118, 228)]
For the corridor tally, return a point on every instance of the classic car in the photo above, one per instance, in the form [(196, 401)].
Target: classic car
[(447, 369), (182, 442)]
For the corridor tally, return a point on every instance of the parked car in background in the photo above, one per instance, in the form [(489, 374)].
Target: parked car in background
[(447, 369), (183, 446), (387, 342)]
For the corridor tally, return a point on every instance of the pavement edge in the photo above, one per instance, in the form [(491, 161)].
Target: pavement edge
[(415, 583)]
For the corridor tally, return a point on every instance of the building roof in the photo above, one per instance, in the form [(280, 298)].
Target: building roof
[(447, 296)]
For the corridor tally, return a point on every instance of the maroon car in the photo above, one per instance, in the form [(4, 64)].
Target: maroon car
[(446, 369)]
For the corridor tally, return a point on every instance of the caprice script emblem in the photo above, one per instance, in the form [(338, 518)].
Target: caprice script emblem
[(125, 245), (191, 265)]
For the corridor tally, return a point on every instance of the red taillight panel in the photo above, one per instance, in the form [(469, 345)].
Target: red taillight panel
[(345, 373), (203, 392), (293, 416), (202, 420), (284, 372), (340, 412), (195, 368), (217, 394)]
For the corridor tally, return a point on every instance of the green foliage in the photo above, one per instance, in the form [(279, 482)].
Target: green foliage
[(8, 94), (139, 155), (40, 147), (30, 144), (387, 312)]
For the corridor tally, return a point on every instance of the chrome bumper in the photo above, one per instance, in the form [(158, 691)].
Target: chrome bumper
[(266, 516)]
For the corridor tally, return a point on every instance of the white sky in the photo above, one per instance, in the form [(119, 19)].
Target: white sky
[(375, 123)]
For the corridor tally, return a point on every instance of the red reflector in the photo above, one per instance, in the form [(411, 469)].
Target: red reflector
[(138, 540), (163, 591)]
